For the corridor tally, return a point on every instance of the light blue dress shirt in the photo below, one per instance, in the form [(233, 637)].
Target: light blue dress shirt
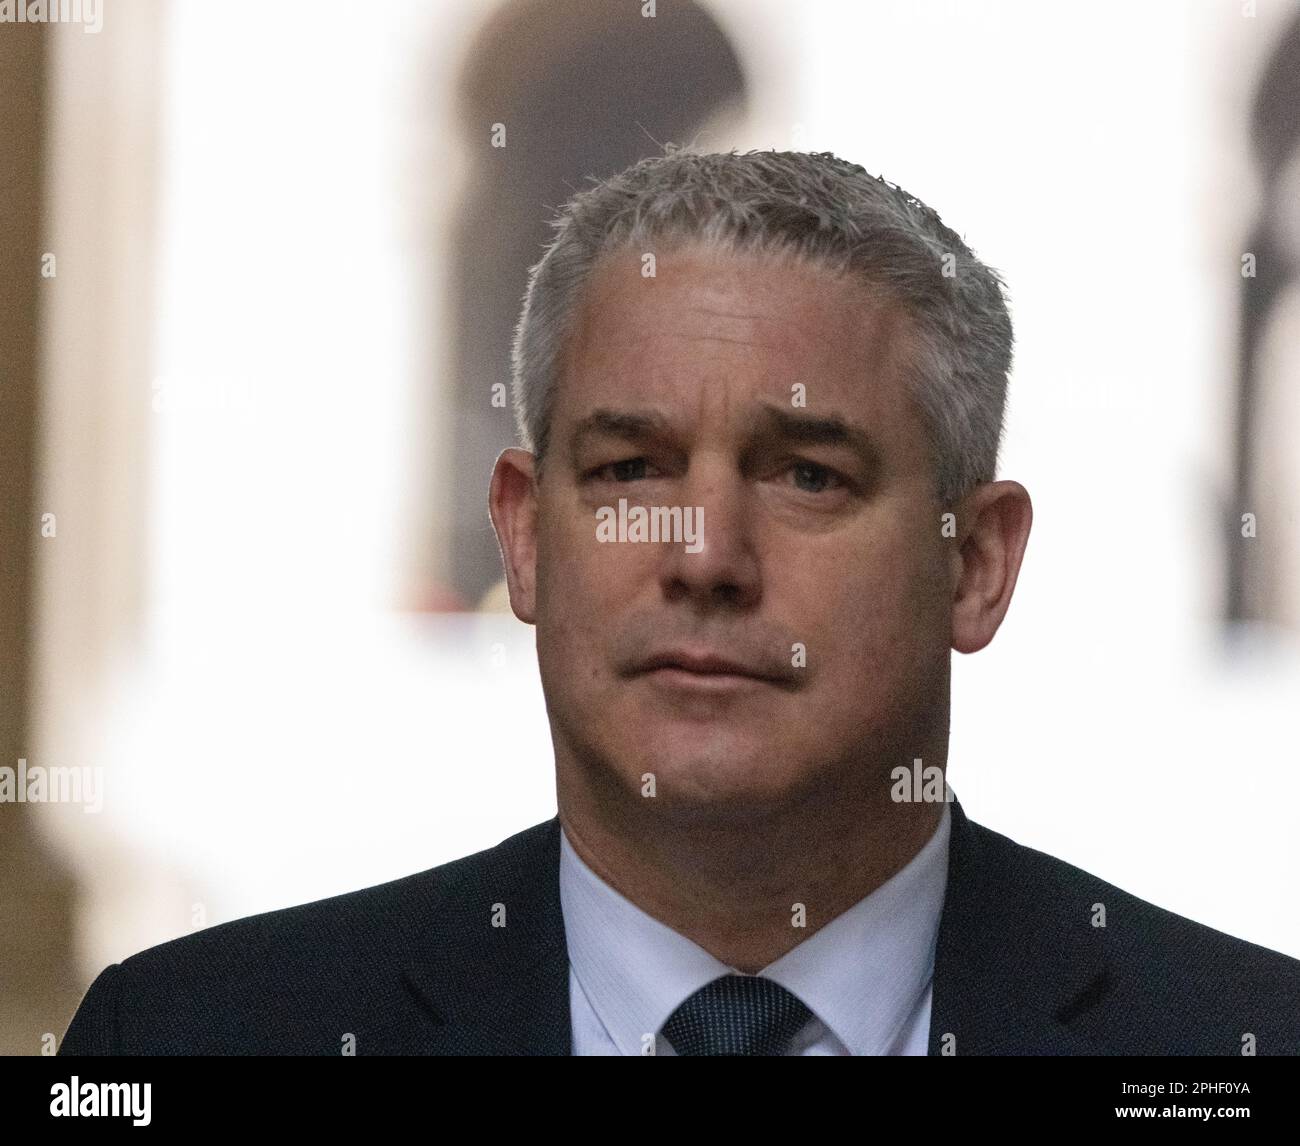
[(866, 976)]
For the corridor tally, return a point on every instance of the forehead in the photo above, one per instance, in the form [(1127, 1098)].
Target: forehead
[(713, 332)]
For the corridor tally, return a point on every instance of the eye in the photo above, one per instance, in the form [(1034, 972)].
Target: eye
[(626, 469), (813, 478)]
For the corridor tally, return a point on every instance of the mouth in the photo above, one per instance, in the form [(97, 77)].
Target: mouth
[(702, 671), (685, 680)]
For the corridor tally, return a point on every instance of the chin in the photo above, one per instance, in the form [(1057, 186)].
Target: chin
[(723, 804), (702, 775)]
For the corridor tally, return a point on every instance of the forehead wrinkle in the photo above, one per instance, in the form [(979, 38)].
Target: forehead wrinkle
[(687, 337)]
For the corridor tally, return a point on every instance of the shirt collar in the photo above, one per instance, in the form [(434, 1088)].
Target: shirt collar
[(861, 974)]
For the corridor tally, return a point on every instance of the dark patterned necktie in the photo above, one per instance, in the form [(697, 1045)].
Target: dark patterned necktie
[(737, 1015)]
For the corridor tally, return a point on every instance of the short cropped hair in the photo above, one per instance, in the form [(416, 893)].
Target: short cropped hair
[(814, 206)]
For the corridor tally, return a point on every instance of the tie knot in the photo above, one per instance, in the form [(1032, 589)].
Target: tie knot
[(736, 1015)]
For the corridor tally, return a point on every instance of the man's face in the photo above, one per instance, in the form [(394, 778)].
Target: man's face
[(770, 397)]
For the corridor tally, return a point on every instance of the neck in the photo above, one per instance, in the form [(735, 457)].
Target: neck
[(733, 883)]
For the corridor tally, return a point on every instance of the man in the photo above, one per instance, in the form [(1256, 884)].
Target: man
[(804, 369)]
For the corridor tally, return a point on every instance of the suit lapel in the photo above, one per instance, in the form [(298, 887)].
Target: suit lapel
[(492, 973), (1016, 961)]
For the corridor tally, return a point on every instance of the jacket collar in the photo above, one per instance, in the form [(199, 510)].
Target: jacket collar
[(1016, 959), (491, 969)]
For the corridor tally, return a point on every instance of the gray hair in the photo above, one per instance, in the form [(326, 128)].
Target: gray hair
[(810, 205)]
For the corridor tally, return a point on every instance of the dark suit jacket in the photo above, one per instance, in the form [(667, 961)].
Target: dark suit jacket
[(415, 967)]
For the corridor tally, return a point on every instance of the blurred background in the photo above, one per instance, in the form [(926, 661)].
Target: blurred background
[(260, 264)]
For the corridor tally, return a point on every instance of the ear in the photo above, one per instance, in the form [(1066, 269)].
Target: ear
[(512, 505), (993, 529)]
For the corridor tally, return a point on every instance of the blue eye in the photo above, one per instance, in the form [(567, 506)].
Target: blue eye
[(818, 477), (628, 469)]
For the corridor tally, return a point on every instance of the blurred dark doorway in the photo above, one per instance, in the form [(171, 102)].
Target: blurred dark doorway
[(584, 89), (1255, 573)]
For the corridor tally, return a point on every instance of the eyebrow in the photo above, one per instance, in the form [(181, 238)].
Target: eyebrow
[(808, 429), (828, 430), (627, 425)]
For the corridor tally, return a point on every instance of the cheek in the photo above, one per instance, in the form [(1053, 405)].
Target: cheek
[(576, 573), (582, 585), (879, 613)]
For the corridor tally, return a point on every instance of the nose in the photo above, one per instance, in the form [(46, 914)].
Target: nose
[(721, 569)]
